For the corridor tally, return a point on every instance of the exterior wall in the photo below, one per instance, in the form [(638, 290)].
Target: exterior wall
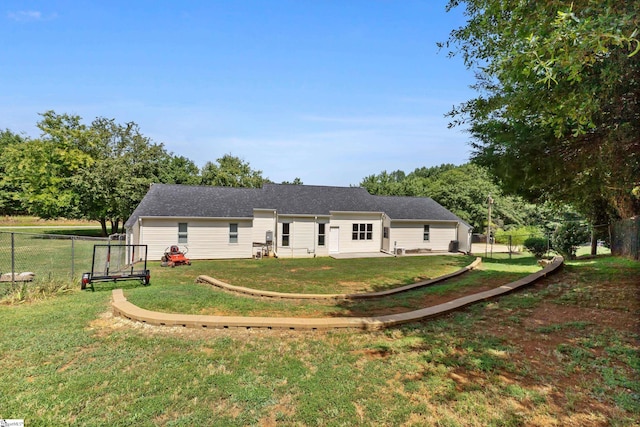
[(206, 239), (464, 237), (410, 235), (302, 237), (345, 221), (133, 234), (263, 221), (209, 238)]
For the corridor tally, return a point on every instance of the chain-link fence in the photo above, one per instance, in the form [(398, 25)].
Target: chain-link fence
[(625, 238), (49, 257), (503, 242)]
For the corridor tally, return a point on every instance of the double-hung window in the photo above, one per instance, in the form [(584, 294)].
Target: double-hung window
[(426, 233), (321, 234), (285, 233), (233, 233), (362, 232), (182, 232)]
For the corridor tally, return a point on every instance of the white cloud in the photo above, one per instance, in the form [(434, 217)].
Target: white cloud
[(29, 16)]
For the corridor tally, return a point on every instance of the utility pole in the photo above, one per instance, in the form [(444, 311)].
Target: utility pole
[(486, 244)]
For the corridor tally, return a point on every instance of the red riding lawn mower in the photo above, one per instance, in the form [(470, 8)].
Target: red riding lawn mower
[(173, 256)]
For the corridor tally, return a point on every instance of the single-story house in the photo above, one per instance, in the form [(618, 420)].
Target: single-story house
[(290, 221)]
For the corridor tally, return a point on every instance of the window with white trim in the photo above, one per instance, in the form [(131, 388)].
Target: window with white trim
[(233, 233), (362, 232), (321, 234), (426, 233), (182, 232), (285, 233)]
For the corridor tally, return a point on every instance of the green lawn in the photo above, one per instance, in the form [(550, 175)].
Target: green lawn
[(174, 290), (563, 352)]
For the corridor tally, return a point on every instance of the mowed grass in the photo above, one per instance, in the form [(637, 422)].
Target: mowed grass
[(563, 352), (174, 290), (34, 221)]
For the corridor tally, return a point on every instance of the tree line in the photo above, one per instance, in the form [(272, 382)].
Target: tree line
[(465, 190), (99, 171), (557, 111)]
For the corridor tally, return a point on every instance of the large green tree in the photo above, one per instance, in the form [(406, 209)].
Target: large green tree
[(557, 116), (231, 171), (10, 200), (44, 169), (98, 172), (124, 164)]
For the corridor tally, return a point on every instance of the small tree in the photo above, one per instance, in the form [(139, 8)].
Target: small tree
[(536, 245), (568, 237)]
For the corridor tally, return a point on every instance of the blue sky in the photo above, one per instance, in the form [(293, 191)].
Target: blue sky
[(327, 91)]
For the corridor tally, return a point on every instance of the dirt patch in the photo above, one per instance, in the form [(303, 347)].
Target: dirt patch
[(561, 344)]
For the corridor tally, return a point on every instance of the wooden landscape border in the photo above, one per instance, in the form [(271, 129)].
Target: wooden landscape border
[(122, 307)]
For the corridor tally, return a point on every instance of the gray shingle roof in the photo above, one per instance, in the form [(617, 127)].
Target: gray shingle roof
[(164, 200)]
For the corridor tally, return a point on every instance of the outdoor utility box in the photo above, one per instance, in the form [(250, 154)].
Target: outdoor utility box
[(269, 237), (454, 246)]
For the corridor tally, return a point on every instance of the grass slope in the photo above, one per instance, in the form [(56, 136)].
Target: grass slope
[(563, 352)]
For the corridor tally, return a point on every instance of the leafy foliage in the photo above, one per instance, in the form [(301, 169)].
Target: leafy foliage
[(568, 237), (9, 190), (231, 171), (98, 172), (538, 246), (461, 189), (556, 117), (44, 169)]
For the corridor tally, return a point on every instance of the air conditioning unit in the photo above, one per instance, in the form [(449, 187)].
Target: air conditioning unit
[(399, 251)]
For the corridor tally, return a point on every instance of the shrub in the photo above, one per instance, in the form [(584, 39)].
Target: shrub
[(568, 237), (536, 245), (518, 235)]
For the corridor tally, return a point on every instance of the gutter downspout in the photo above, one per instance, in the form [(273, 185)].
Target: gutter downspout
[(275, 233)]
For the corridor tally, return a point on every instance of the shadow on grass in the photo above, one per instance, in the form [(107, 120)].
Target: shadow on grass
[(515, 260), (111, 285), (438, 293)]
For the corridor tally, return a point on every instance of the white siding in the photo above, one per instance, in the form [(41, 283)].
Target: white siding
[(133, 234), (210, 239), (302, 237), (464, 237), (206, 239), (345, 222), (263, 221), (410, 235)]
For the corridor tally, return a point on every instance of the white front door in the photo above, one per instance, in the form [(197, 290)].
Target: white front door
[(334, 240)]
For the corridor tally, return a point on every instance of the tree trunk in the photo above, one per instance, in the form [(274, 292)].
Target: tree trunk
[(594, 242), (115, 225), (103, 224)]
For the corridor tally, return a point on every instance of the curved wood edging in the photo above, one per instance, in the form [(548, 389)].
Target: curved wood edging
[(121, 307), (366, 295)]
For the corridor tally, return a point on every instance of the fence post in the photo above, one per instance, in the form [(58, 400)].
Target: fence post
[(73, 257), (13, 260)]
